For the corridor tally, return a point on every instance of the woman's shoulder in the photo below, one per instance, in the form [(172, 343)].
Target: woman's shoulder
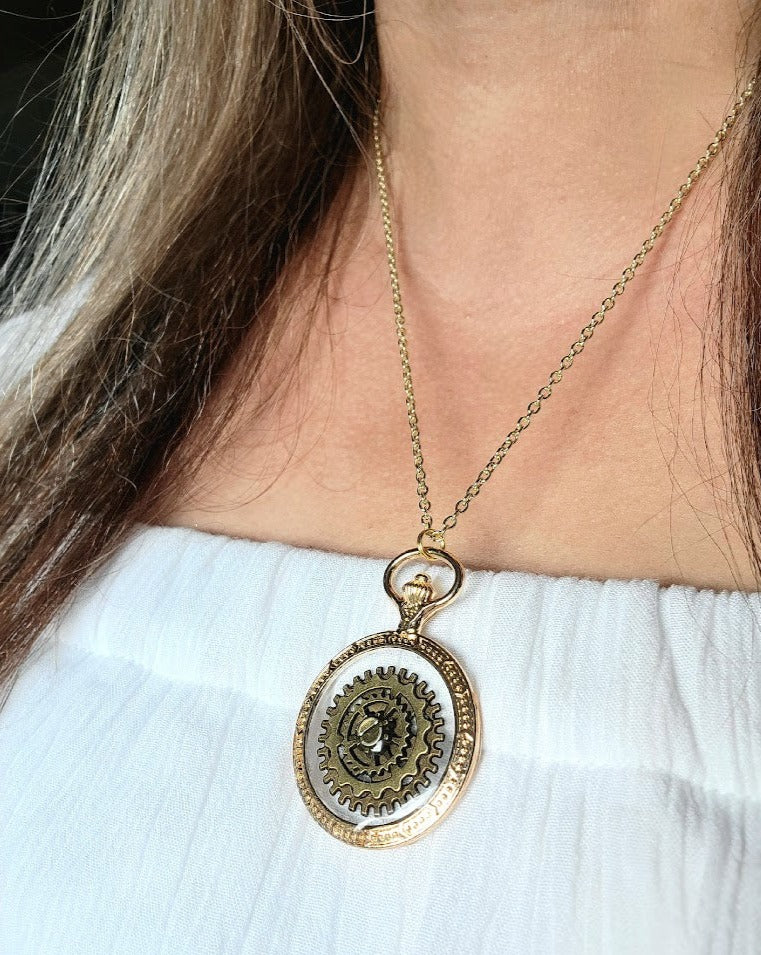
[(26, 335)]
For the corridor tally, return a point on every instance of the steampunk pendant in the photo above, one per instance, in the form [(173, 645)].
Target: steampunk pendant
[(388, 735)]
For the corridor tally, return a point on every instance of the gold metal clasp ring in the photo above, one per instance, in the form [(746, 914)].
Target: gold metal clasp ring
[(436, 538), (437, 556)]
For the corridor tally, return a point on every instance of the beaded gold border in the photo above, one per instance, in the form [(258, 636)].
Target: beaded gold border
[(462, 762)]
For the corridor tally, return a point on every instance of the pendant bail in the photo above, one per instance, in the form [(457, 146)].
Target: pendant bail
[(418, 599), (437, 540)]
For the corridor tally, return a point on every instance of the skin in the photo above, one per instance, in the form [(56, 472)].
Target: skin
[(530, 148)]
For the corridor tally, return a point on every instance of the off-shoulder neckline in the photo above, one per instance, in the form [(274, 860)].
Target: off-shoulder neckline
[(210, 538)]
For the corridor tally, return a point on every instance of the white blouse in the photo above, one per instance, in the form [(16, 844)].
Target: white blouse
[(148, 804)]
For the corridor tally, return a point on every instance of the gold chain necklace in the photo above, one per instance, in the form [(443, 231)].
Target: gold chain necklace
[(389, 733)]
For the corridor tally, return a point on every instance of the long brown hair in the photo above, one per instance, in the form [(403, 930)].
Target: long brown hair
[(197, 149), (200, 145)]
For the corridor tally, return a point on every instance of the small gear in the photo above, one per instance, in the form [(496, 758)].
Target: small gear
[(380, 740)]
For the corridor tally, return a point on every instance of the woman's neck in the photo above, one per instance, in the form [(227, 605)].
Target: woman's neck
[(531, 141), (529, 150)]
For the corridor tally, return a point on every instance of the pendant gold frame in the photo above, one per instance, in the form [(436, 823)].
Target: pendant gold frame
[(465, 734)]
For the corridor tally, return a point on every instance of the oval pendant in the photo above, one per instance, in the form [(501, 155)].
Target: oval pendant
[(388, 735)]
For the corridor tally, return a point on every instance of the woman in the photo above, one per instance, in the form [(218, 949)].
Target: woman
[(206, 453)]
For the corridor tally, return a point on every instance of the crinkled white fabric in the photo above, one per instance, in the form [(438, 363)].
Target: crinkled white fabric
[(26, 336), (147, 803)]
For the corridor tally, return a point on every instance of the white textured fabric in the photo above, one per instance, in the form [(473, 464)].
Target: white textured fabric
[(147, 803)]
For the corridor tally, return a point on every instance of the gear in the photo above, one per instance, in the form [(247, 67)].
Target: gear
[(380, 740)]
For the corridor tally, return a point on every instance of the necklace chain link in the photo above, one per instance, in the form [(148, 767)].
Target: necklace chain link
[(437, 536)]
